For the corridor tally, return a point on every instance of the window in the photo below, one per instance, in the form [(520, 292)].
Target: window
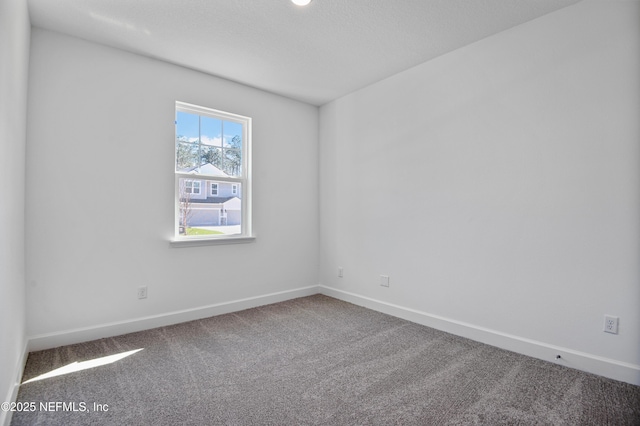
[(192, 186), (212, 148)]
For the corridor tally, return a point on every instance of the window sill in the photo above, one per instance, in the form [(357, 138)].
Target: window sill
[(196, 242)]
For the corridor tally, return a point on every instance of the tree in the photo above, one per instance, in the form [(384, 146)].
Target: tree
[(211, 155), (233, 156), (186, 154), (185, 205)]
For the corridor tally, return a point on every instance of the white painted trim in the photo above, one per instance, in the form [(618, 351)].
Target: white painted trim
[(590, 363), (210, 241), (12, 393), (78, 335)]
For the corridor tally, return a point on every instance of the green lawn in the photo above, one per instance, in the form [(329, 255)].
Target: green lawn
[(200, 231)]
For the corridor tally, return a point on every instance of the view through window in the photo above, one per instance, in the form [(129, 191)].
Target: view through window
[(212, 173)]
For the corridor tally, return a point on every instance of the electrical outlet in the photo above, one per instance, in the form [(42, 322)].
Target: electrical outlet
[(384, 280), (142, 292), (611, 324), (340, 272)]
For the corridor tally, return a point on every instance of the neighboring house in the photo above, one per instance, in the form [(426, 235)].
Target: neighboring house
[(208, 201)]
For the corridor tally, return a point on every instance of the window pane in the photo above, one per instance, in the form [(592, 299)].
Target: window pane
[(232, 134), (186, 156), (209, 215), (233, 162), (187, 127), (213, 155), (210, 131)]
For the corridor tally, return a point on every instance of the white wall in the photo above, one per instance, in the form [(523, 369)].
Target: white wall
[(14, 51), (498, 186), (100, 190)]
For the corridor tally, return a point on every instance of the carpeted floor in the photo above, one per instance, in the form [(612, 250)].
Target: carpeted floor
[(313, 361)]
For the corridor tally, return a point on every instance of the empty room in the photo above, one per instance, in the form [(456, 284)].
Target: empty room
[(345, 212)]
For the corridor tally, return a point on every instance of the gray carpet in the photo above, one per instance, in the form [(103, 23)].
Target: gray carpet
[(315, 361)]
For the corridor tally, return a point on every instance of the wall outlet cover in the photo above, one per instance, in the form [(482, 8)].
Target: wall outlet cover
[(384, 280), (611, 324)]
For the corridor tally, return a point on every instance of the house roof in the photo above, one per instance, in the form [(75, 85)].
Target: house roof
[(207, 169), (212, 200)]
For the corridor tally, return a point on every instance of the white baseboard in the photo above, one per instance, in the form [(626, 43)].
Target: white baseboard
[(606, 367), (79, 335), (12, 393), (601, 366)]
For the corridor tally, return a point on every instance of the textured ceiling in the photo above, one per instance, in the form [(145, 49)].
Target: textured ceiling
[(314, 54)]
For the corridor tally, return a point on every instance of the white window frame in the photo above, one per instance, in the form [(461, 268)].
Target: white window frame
[(214, 184), (243, 181), (234, 189)]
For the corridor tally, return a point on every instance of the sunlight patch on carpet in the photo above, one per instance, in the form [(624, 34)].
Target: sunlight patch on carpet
[(83, 365)]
